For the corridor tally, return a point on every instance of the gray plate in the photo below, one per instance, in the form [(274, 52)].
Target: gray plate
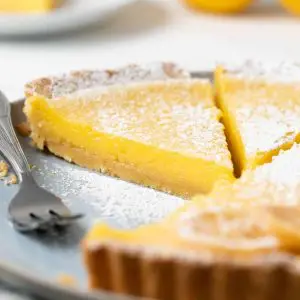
[(35, 262)]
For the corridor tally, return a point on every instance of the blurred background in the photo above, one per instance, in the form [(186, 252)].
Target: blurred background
[(42, 37)]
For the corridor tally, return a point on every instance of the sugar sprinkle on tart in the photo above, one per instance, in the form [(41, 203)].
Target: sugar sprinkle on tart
[(235, 230), (285, 225)]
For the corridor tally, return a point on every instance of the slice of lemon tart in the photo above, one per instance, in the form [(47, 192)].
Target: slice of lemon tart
[(159, 129), (261, 107)]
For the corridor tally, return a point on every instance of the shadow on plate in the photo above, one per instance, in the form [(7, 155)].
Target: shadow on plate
[(65, 238)]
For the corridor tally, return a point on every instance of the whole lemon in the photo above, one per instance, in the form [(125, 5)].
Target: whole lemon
[(219, 6), (292, 6)]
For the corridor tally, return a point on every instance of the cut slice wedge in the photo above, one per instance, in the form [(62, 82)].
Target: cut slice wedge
[(261, 110), (163, 134)]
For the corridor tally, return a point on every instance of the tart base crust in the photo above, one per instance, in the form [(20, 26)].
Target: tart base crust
[(162, 276)]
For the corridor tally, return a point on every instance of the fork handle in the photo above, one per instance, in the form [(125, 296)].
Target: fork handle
[(7, 133), (14, 151)]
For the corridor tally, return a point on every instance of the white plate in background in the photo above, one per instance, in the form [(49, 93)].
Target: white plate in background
[(72, 15)]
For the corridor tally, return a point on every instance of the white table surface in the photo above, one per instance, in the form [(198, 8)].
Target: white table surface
[(153, 30)]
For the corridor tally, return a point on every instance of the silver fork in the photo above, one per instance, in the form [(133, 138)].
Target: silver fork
[(32, 208)]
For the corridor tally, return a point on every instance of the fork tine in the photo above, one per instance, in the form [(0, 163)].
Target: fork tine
[(25, 227), (54, 219), (33, 207), (64, 220), (65, 217), (38, 223)]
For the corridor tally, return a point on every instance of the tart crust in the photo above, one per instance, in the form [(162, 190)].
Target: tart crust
[(65, 84), (166, 276)]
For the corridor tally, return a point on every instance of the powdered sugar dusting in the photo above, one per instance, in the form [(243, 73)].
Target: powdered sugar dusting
[(101, 197), (283, 72), (284, 169), (265, 127), (277, 182), (176, 115)]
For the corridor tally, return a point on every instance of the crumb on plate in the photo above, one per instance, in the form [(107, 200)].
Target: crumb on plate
[(66, 280), (23, 129), (3, 169), (12, 179), (32, 166)]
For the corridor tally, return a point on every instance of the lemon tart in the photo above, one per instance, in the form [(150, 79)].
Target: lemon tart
[(28, 5), (243, 234), (162, 132), (220, 254), (261, 110)]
